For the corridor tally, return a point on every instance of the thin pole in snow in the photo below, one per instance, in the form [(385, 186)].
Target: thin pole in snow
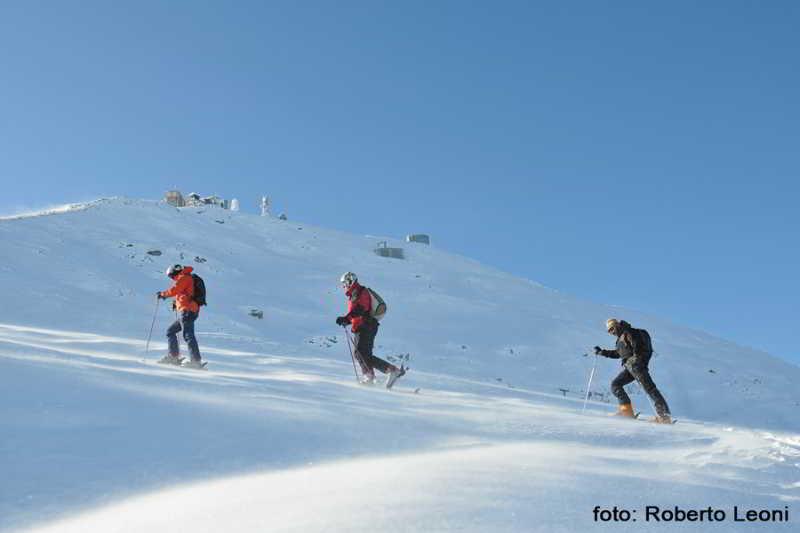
[(350, 347), (152, 325), (589, 386)]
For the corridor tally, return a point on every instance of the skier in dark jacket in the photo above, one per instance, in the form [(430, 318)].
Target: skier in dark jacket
[(365, 328), (635, 350), (188, 310)]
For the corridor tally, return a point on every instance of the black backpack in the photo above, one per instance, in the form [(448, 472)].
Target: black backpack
[(199, 293), (644, 340)]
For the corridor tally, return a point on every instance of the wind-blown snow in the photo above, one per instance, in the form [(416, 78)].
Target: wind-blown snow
[(276, 436), (21, 213)]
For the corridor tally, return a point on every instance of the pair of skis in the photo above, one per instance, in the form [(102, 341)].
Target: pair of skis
[(390, 381), (637, 416), (179, 362)]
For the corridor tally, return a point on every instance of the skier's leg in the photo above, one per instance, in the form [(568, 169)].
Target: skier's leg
[(187, 319), (359, 342), (172, 338), (380, 364), (642, 375), (618, 386), (365, 349)]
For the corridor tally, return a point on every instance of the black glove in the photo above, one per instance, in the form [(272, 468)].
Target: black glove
[(159, 296), (342, 321), (597, 350)]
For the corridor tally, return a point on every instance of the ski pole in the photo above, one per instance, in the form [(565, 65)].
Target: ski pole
[(350, 347), (589, 386), (155, 314)]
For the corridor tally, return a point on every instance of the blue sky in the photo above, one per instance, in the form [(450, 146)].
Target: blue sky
[(642, 154)]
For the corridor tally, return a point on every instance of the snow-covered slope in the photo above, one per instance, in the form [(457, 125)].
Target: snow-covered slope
[(276, 436)]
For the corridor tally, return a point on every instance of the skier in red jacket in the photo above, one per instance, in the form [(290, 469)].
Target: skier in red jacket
[(188, 309), (365, 328)]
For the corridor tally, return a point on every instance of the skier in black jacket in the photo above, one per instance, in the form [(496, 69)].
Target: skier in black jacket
[(634, 348)]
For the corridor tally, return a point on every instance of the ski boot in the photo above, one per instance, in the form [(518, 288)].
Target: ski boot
[(394, 375), (625, 410), (171, 360), (196, 364), (662, 419)]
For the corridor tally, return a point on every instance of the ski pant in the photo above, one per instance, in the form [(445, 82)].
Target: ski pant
[(636, 370), (185, 323), (364, 341)]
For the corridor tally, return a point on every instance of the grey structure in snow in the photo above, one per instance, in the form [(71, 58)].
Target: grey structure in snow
[(419, 237), (176, 199), (384, 250)]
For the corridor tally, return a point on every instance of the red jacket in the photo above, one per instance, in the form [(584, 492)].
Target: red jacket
[(359, 305), (183, 290)]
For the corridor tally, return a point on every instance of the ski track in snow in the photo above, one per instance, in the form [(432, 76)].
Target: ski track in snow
[(277, 436)]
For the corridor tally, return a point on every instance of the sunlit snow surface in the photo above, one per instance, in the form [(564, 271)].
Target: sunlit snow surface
[(276, 436)]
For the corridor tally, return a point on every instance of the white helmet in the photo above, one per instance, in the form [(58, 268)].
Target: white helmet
[(174, 270), (348, 279)]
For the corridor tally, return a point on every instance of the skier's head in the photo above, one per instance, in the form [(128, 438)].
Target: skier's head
[(348, 280), (613, 326), (174, 270)]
